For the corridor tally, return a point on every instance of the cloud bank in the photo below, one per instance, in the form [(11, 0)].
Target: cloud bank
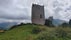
[(20, 10)]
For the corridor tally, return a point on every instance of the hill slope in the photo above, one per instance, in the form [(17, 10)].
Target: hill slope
[(24, 32)]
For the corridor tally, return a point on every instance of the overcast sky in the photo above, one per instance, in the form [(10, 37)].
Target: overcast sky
[(20, 10)]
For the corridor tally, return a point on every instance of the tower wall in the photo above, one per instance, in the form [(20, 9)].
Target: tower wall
[(38, 14)]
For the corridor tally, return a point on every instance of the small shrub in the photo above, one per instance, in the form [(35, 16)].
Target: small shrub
[(60, 33), (36, 30), (64, 25), (29, 23), (53, 35), (45, 36)]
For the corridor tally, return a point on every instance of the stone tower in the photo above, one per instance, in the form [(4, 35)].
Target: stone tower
[(38, 14)]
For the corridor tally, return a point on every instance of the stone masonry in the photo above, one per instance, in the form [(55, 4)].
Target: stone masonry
[(38, 16)]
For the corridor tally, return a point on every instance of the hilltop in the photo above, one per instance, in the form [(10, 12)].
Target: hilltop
[(36, 32)]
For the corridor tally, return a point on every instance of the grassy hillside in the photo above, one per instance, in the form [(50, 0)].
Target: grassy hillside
[(36, 32)]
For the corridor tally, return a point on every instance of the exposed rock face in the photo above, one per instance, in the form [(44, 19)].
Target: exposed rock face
[(38, 14)]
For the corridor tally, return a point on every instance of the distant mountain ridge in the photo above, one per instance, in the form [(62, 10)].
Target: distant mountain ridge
[(7, 25), (57, 22)]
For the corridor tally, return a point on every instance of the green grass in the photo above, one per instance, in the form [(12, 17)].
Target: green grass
[(24, 32)]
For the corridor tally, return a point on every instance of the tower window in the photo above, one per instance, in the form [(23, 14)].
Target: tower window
[(40, 16)]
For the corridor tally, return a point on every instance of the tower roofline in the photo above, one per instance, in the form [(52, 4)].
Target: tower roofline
[(37, 5)]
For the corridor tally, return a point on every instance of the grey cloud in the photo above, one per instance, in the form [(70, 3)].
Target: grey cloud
[(68, 9), (56, 3), (14, 16), (5, 3), (13, 12), (56, 12), (20, 9), (58, 9)]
